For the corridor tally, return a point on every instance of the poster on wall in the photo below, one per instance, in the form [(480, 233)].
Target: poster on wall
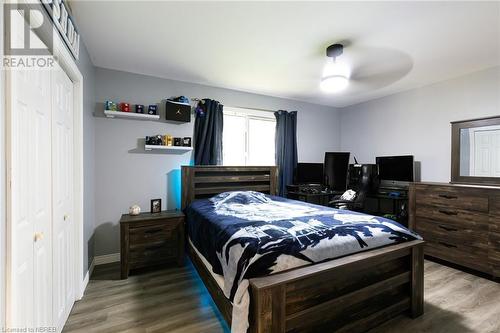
[(59, 12)]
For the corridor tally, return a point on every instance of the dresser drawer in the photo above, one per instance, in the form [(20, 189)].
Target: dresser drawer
[(152, 253), (151, 233), (450, 197), (460, 254), (437, 231), (454, 217)]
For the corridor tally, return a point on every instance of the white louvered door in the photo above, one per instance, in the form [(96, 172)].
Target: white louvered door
[(62, 195), (31, 199), (30, 288), (41, 270)]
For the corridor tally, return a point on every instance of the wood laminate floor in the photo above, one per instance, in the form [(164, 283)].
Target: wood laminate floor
[(175, 300)]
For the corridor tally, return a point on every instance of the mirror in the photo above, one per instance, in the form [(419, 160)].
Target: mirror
[(480, 151), (476, 151)]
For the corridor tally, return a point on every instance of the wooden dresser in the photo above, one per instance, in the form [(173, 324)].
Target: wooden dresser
[(460, 223), (151, 239)]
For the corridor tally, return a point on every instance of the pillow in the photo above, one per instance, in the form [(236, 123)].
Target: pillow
[(239, 197)]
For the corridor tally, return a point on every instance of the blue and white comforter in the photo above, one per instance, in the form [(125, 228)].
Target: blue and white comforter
[(249, 234)]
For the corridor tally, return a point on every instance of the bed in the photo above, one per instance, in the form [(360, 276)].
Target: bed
[(352, 293)]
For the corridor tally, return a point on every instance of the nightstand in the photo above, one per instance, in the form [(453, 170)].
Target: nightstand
[(151, 239)]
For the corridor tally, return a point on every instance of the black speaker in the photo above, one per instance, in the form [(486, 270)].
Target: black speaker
[(335, 170), (363, 176)]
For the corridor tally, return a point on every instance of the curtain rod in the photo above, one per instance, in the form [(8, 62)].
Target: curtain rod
[(246, 108), (238, 107)]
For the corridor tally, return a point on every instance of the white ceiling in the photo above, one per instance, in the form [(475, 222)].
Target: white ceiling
[(278, 48)]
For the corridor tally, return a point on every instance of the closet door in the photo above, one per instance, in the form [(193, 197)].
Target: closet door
[(30, 267), (62, 195)]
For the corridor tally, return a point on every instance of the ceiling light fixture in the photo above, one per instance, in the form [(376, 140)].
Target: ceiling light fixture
[(335, 78)]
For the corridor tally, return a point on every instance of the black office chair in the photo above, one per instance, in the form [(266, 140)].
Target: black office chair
[(356, 204), (362, 189)]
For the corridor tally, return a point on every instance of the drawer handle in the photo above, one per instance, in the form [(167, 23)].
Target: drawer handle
[(447, 196), (447, 212), (153, 231), (153, 248), (447, 245), (447, 228)]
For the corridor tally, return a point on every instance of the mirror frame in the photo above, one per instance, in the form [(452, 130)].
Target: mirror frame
[(456, 126)]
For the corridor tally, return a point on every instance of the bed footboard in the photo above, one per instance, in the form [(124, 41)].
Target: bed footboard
[(351, 294)]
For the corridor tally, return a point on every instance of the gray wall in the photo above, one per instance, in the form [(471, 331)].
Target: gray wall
[(417, 122), (126, 174)]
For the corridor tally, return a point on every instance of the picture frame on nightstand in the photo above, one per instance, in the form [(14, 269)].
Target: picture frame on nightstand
[(155, 206)]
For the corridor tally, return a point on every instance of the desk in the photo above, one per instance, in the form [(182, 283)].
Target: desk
[(382, 204), (321, 198)]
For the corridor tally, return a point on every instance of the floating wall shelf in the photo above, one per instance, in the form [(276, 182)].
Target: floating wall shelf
[(177, 149), (131, 115)]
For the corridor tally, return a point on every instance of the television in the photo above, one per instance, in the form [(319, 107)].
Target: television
[(395, 171), (309, 173)]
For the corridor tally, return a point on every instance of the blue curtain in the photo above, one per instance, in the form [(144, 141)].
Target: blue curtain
[(208, 126), (286, 147)]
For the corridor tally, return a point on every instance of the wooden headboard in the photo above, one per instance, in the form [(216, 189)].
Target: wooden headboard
[(206, 181)]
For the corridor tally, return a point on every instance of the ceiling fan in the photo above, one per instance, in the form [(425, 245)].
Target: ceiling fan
[(335, 77), (362, 68)]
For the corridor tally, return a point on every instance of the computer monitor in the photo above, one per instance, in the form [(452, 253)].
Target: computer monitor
[(309, 173), (395, 171), (335, 171)]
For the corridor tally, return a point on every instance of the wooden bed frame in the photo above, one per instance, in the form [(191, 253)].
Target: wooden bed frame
[(348, 294)]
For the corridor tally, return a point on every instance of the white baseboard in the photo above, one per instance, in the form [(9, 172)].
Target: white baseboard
[(91, 267), (84, 284), (86, 279), (106, 259)]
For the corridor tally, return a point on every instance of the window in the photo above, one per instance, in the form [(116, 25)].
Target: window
[(248, 137)]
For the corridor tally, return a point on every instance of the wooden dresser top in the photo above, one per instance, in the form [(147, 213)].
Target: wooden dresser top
[(482, 186), (127, 218)]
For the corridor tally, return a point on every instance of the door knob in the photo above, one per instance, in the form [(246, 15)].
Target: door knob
[(38, 236), (66, 216)]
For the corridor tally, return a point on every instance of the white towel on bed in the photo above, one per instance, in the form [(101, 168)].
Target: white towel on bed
[(241, 304)]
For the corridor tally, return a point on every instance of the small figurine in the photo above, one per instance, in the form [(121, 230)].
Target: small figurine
[(110, 106), (156, 140), (134, 210), (152, 109), (124, 107), (168, 142)]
